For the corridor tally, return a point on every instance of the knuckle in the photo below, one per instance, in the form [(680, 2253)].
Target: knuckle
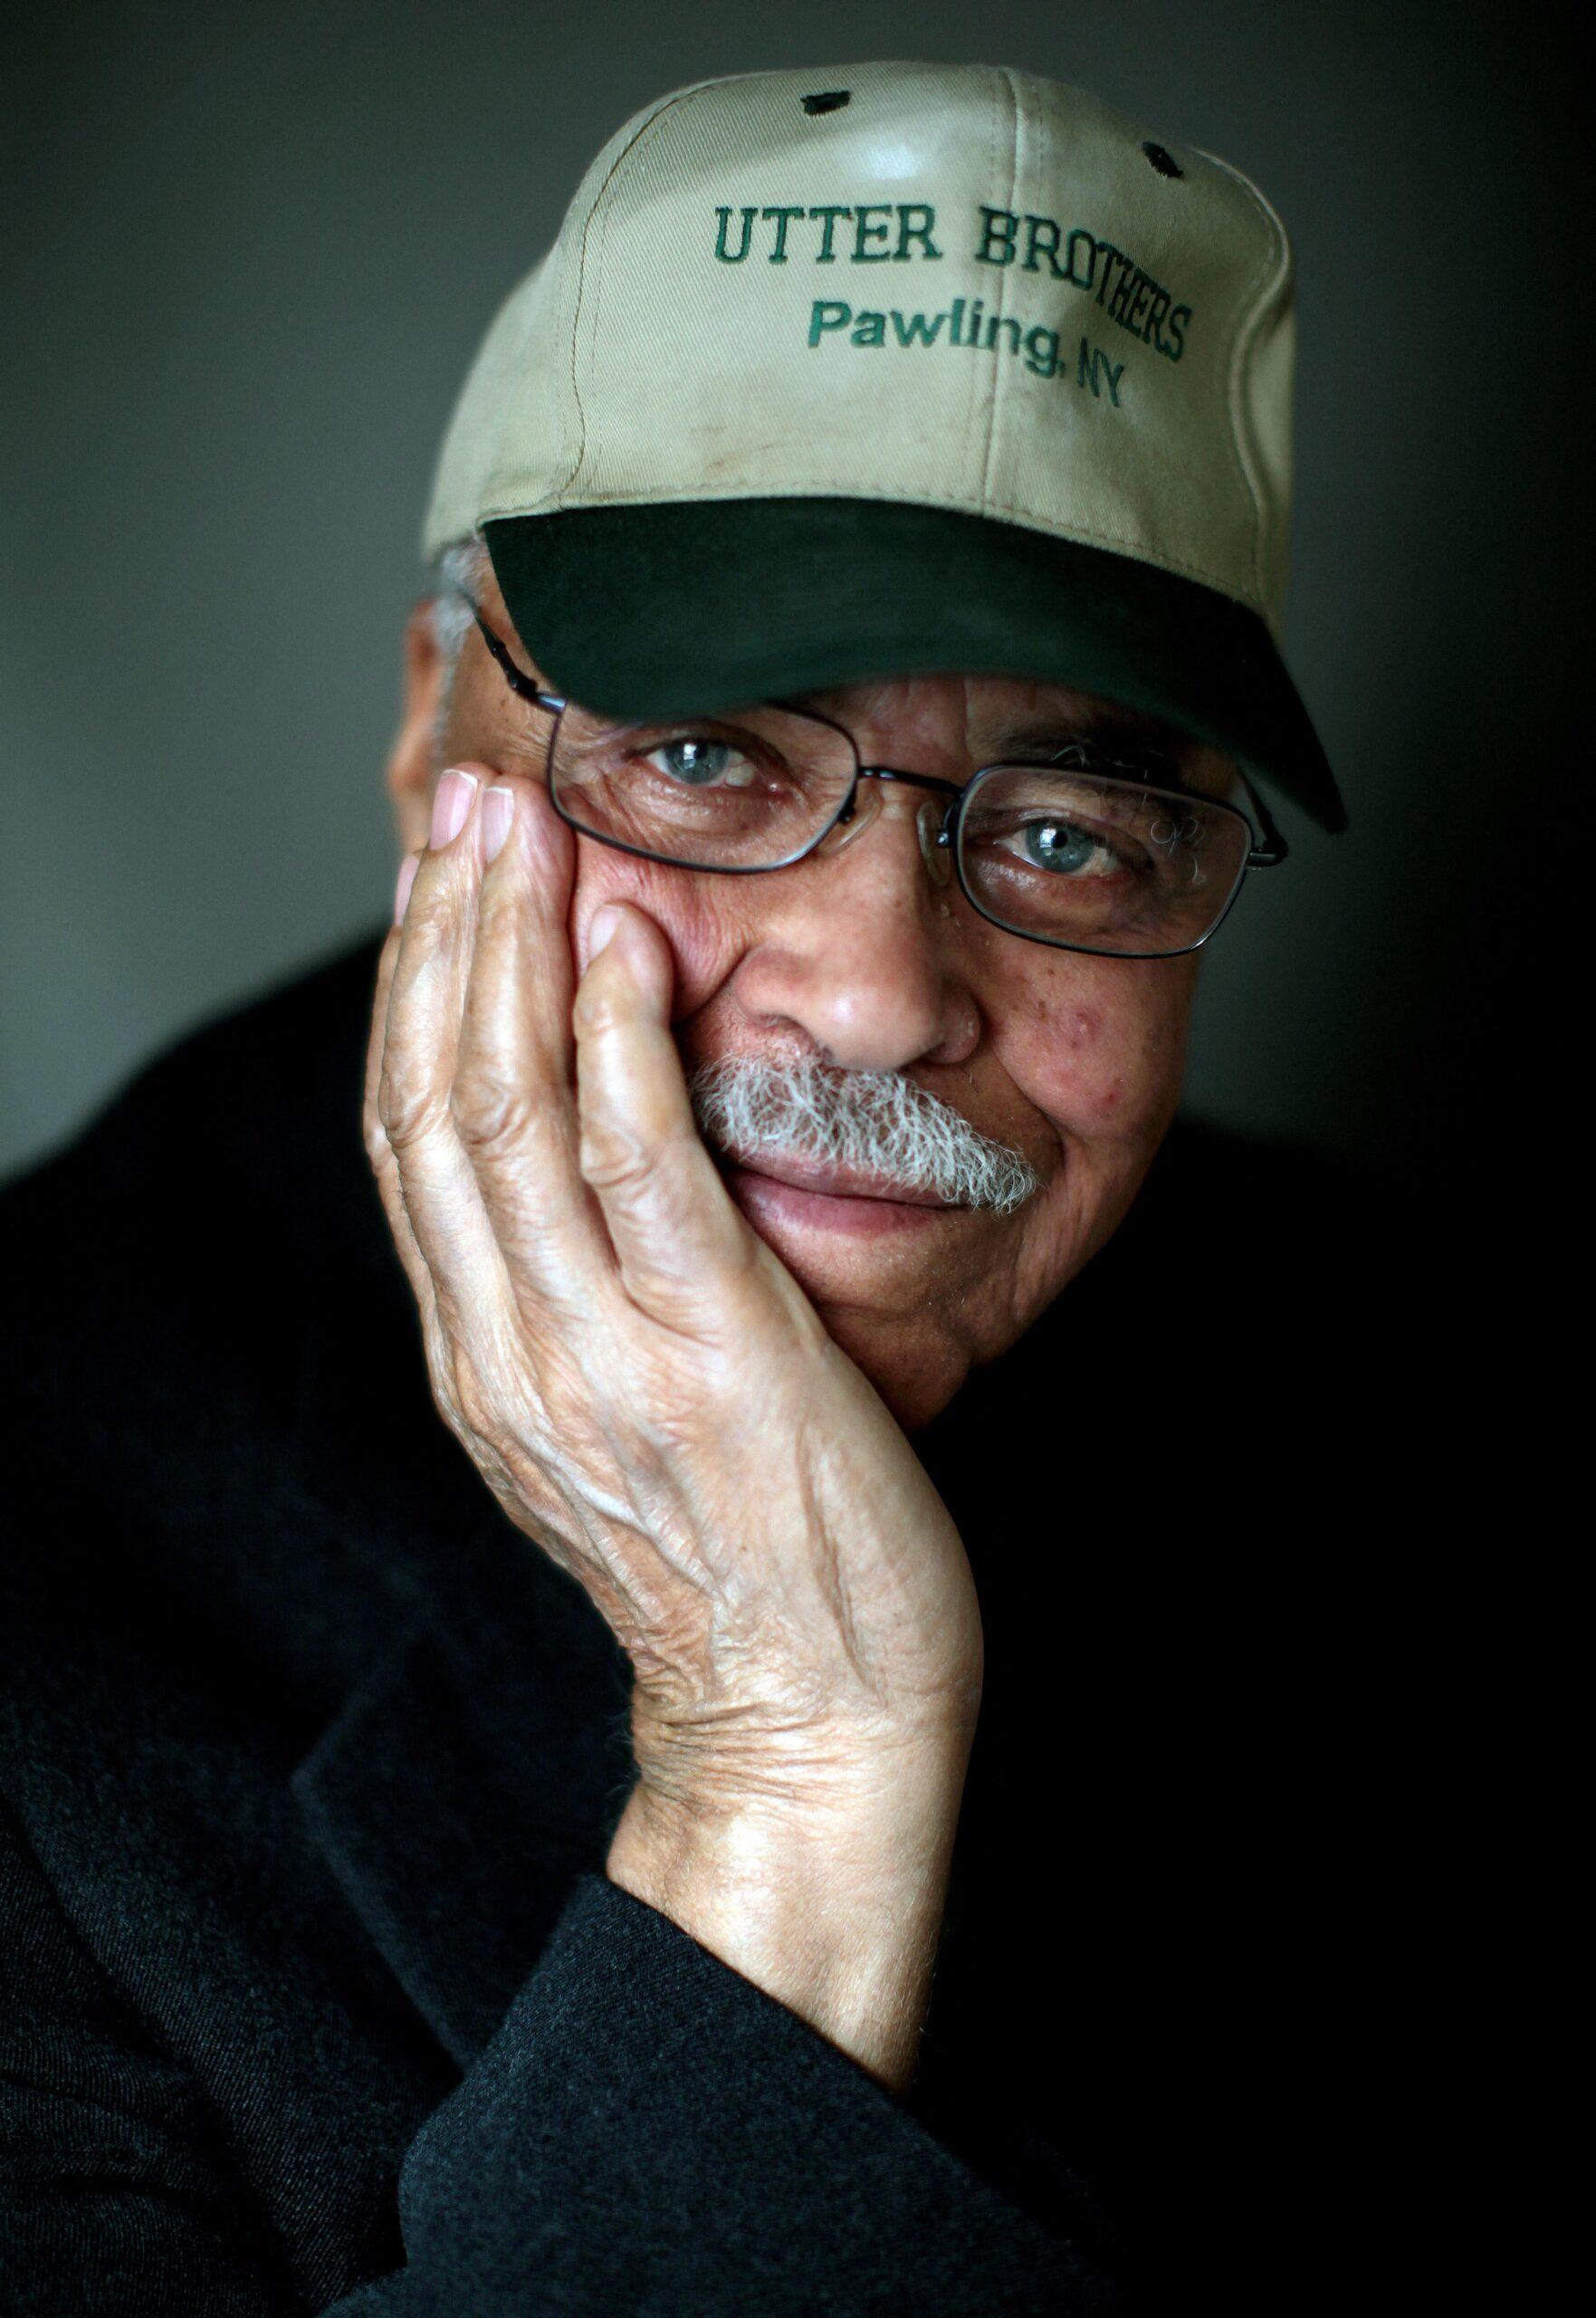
[(474, 1404), (443, 1374), (429, 926), (407, 1114), (612, 1159), (595, 1012), (464, 1398), (501, 906), (490, 1111)]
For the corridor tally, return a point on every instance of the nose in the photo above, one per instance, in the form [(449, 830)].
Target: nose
[(857, 948)]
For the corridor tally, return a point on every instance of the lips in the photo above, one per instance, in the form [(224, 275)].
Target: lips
[(832, 1182)]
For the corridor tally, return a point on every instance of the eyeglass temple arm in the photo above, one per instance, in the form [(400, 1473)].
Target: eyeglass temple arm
[(518, 680), (1272, 849)]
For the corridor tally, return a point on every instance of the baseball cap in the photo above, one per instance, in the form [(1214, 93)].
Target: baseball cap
[(887, 369)]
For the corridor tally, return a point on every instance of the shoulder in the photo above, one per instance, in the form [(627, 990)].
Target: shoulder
[(1302, 1292), (233, 1159), (250, 1101), (161, 1273), (1278, 1203), (1252, 1274)]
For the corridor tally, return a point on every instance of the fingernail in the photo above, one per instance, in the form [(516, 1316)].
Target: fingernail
[(451, 805), (498, 813), (600, 928), (407, 868)]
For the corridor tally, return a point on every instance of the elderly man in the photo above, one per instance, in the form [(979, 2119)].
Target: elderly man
[(511, 1881)]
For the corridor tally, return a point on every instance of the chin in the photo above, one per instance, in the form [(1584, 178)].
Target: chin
[(895, 1296)]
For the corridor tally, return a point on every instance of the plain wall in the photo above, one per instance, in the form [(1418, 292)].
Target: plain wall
[(250, 251)]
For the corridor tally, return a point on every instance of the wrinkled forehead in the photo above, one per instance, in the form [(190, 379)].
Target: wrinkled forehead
[(975, 720)]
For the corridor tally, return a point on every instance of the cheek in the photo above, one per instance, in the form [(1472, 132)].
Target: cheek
[(701, 924), (1098, 1047)]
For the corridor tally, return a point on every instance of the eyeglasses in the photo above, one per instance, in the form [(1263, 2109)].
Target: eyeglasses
[(1080, 851)]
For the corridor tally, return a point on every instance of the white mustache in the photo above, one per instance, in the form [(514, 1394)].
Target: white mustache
[(876, 1121)]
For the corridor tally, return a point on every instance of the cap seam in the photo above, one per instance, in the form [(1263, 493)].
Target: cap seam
[(1005, 80), (1254, 305), (666, 104)]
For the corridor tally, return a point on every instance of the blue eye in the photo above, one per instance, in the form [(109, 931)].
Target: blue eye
[(702, 764), (1059, 844)]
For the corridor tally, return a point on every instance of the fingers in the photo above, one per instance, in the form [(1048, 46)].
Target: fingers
[(516, 1165), (513, 1101), (378, 1149), (678, 1238), (413, 1076)]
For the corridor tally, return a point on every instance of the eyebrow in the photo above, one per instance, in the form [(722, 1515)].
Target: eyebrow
[(1110, 728), (1157, 750), (1149, 750)]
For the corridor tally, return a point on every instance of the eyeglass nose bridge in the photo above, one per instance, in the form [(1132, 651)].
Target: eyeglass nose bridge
[(933, 826)]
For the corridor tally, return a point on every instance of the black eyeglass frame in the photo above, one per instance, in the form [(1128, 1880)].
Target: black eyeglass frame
[(1266, 850)]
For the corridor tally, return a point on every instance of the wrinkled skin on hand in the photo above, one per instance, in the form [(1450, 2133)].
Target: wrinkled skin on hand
[(638, 1378), (693, 1391)]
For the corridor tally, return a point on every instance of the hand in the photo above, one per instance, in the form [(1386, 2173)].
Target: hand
[(653, 1399)]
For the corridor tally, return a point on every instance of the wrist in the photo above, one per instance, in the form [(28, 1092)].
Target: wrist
[(703, 1770), (827, 1893)]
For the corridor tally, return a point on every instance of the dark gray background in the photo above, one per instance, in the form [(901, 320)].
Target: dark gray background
[(250, 251)]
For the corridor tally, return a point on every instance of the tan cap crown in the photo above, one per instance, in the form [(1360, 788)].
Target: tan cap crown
[(956, 286), (883, 368)]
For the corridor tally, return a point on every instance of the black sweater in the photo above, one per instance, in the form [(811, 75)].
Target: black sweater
[(317, 1996)]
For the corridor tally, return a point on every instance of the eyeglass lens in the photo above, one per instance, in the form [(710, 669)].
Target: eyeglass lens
[(1069, 856)]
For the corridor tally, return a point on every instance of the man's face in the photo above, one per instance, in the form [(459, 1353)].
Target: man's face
[(859, 957)]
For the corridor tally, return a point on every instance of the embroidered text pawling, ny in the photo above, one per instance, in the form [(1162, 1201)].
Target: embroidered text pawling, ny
[(884, 232)]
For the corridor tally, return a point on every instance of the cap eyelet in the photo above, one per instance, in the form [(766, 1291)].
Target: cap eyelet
[(827, 101), (1162, 160)]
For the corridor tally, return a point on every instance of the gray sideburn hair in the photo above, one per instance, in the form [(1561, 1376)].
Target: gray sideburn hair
[(464, 566)]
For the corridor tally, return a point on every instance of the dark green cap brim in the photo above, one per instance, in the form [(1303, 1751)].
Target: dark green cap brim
[(664, 610)]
